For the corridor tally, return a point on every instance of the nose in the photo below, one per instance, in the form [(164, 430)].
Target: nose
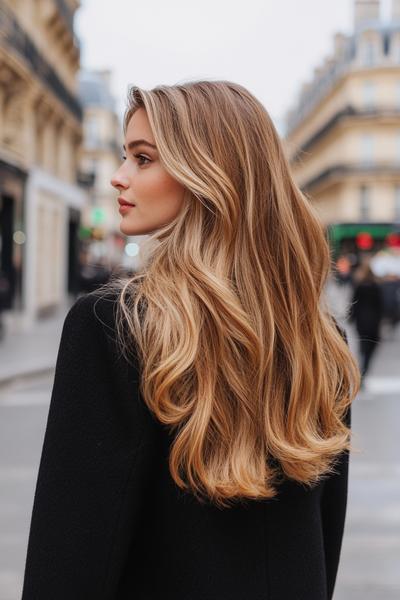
[(118, 180)]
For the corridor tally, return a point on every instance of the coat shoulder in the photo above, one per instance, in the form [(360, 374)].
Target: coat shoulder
[(93, 310), (93, 317)]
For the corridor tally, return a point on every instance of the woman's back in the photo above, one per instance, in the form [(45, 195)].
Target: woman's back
[(110, 522)]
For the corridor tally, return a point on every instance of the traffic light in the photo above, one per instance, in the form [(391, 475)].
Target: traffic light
[(393, 240), (364, 240)]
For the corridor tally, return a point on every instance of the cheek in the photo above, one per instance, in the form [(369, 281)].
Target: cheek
[(158, 187)]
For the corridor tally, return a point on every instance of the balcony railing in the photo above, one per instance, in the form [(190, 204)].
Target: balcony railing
[(344, 113), (332, 73), (343, 170), (14, 39)]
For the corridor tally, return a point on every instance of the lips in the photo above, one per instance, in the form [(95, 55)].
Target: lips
[(123, 202)]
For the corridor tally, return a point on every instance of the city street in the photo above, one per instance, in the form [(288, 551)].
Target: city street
[(371, 548), (240, 127)]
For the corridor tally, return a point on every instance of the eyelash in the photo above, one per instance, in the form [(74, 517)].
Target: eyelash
[(139, 156)]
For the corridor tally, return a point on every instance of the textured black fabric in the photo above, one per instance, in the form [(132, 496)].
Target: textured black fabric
[(108, 521)]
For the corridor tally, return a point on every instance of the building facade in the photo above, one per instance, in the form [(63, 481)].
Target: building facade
[(101, 155), (343, 137), (40, 136)]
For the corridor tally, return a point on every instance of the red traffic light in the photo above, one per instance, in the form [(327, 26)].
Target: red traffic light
[(364, 240), (393, 240)]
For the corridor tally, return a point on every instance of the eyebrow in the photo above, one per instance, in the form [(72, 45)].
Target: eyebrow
[(135, 143)]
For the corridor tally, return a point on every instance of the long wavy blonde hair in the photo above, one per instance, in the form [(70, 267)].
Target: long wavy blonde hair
[(239, 354)]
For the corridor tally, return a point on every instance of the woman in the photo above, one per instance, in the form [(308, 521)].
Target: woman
[(366, 311), (198, 436)]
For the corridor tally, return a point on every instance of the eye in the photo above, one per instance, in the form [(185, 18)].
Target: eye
[(123, 157), (142, 159)]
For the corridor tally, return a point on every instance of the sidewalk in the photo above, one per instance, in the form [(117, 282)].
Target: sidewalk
[(35, 352)]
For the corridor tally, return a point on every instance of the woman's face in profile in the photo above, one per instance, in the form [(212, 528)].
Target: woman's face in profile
[(151, 195)]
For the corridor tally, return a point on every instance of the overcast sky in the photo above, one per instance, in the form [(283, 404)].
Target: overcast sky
[(269, 46)]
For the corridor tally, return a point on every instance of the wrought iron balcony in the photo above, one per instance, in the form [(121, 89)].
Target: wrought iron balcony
[(376, 112), (15, 40), (86, 179), (340, 171), (349, 59)]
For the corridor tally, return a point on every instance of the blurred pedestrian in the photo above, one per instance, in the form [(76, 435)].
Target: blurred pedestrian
[(391, 298), (343, 269), (366, 312), (198, 436)]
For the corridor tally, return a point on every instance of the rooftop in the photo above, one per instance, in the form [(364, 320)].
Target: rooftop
[(94, 89)]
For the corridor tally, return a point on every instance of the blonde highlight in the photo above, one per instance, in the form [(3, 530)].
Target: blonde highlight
[(238, 354)]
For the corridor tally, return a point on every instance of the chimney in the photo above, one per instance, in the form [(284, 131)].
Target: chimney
[(395, 10), (366, 11)]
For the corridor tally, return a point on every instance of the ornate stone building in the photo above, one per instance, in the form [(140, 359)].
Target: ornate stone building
[(101, 155), (40, 136), (343, 137)]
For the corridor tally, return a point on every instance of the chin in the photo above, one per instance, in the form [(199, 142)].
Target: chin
[(130, 230), (126, 229)]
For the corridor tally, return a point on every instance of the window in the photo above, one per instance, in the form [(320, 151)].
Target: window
[(368, 94), (368, 54), (91, 127), (365, 203), (397, 203), (395, 49), (397, 147), (396, 53), (367, 149)]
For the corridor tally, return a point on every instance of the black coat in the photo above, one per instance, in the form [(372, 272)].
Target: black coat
[(109, 522)]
